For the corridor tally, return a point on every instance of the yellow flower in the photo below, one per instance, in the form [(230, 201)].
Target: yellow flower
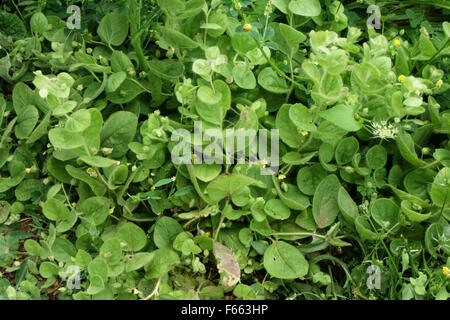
[(401, 78), (27, 170), (111, 210), (397, 42), (74, 204), (153, 188), (439, 84), (304, 133), (247, 27), (446, 272), (281, 177)]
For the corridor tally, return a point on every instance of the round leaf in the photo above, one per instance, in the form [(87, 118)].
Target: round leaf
[(276, 209), (284, 261)]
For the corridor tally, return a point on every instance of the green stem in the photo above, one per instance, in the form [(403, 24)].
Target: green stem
[(312, 234), (194, 181), (274, 66)]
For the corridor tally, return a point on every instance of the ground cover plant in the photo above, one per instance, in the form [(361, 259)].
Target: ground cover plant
[(93, 94)]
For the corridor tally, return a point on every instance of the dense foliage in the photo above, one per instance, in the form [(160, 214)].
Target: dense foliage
[(93, 207)]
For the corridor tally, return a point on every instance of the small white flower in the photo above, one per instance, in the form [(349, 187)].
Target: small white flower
[(43, 93), (268, 9), (364, 206), (383, 130), (173, 178)]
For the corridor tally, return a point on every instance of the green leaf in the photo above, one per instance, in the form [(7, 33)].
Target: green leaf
[(308, 178), (138, 261), (207, 172), (437, 238), (32, 247), (63, 249), (306, 8), (327, 92), (64, 139), (405, 144), (284, 261), (161, 263), (172, 5), (98, 267), (178, 39), (325, 205), (287, 129), (118, 131), (208, 96), (54, 209), (115, 80), (376, 157), (243, 76), (67, 223), (12, 25), (78, 121), (64, 108), (385, 212), (5, 209), (228, 184), (97, 161), (272, 82), (301, 117), (96, 208), (167, 69), (26, 121), (113, 28), (347, 206), (220, 22), (293, 198), (208, 106), (82, 259), (440, 188), (111, 251), (166, 230), (96, 285), (276, 209), (295, 158), (96, 186), (121, 62), (292, 36), (242, 42), (132, 235), (40, 130), (38, 23), (418, 181), (346, 149), (414, 216), (364, 229), (343, 116), (334, 62), (127, 91), (257, 210), (48, 269)]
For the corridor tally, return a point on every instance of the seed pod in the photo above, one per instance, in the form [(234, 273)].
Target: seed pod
[(247, 27)]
